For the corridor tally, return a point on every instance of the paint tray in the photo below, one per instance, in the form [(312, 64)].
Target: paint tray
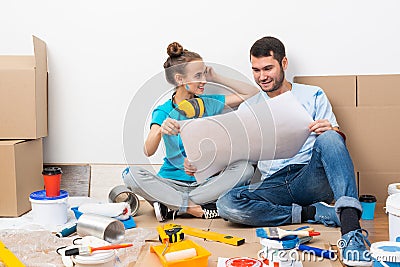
[(201, 260)]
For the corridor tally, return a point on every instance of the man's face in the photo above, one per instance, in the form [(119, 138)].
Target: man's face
[(267, 72)]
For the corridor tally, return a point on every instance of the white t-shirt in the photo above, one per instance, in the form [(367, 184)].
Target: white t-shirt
[(316, 103)]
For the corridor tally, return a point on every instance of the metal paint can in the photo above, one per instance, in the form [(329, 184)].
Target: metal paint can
[(106, 228), (121, 193)]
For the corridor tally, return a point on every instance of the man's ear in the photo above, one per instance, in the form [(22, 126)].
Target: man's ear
[(285, 63), (178, 78)]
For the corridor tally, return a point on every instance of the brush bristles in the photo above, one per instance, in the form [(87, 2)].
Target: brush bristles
[(273, 232)]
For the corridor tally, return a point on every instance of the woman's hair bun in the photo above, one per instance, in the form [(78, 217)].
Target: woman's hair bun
[(174, 49)]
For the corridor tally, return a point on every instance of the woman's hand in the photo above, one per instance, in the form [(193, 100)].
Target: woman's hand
[(170, 127), (189, 168), (211, 75)]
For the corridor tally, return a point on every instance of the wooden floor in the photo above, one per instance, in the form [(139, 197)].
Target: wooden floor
[(378, 228)]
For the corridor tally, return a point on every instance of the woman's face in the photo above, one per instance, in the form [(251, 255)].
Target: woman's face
[(195, 77)]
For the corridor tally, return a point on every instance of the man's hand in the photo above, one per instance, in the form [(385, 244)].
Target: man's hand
[(320, 126), (189, 168), (170, 127)]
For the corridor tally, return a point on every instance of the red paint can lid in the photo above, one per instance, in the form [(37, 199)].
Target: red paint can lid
[(243, 262)]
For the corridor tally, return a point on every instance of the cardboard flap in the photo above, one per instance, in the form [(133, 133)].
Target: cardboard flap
[(16, 62), (40, 54), (10, 142)]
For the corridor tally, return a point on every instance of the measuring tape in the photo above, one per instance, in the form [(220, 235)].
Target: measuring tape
[(170, 233)]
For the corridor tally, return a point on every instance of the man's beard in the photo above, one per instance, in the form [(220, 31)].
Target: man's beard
[(278, 83)]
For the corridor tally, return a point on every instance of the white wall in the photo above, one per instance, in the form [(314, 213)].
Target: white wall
[(102, 52)]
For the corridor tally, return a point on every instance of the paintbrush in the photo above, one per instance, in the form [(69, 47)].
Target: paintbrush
[(276, 232), (85, 250)]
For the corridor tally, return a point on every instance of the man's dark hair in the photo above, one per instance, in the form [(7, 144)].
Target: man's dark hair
[(264, 46)]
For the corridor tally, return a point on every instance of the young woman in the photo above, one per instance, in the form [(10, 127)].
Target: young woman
[(173, 191)]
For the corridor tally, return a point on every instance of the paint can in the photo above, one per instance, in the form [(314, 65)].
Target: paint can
[(104, 258), (243, 262), (121, 193), (393, 188), (50, 211), (393, 209), (103, 227), (385, 254)]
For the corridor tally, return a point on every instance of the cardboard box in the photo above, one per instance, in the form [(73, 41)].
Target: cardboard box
[(23, 94), (366, 108), (376, 183), (20, 174)]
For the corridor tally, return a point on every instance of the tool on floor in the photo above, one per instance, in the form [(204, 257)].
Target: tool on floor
[(86, 250), (7, 258), (276, 232), (170, 233), (67, 231), (182, 254), (214, 236), (325, 253)]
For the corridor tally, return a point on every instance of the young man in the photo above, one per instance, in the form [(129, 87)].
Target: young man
[(298, 189)]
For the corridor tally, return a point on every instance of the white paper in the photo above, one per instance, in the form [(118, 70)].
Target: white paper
[(273, 129)]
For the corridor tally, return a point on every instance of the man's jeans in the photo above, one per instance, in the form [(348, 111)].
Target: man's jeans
[(278, 200)]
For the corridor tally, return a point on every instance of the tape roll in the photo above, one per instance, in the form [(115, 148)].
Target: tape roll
[(393, 188), (121, 193)]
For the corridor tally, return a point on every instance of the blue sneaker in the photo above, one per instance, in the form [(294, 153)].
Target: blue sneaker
[(325, 214), (353, 249)]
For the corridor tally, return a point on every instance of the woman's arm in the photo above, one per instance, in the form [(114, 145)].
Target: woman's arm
[(243, 90), (169, 126), (153, 140)]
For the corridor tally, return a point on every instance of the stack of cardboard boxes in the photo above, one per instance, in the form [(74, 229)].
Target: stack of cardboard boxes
[(23, 123), (367, 108)]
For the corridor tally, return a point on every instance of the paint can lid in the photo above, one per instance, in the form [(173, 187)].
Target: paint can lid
[(52, 171), (393, 204), (386, 251), (96, 257), (41, 195), (367, 198), (243, 262)]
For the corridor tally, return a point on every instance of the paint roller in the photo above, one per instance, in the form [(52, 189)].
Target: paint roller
[(181, 254)]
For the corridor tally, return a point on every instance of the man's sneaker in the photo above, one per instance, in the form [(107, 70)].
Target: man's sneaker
[(210, 211), (163, 212), (325, 214), (353, 249)]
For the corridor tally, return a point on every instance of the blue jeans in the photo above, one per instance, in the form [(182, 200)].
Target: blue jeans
[(278, 199)]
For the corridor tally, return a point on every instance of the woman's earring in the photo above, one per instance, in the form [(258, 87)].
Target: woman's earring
[(187, 87)]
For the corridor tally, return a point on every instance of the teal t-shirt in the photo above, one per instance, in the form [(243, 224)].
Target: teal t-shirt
[(172, 167)]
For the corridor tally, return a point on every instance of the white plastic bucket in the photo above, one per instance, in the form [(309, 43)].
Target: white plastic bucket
[(385, 254), (96, 259), (393, 188), (393, 209), (50, 211)]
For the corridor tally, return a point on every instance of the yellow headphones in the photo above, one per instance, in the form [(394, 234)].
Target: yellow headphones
[(191, 108)]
